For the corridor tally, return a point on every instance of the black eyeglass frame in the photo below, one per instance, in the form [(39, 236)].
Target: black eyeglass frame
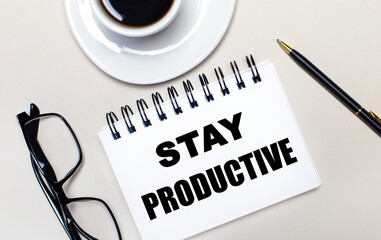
[(47, 179)]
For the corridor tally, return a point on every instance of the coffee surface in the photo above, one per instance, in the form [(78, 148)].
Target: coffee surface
[(136, 13)]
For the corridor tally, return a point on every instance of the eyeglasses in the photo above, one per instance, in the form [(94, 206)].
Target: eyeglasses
[(55, 156)]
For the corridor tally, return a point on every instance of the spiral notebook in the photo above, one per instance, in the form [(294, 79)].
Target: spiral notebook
[(208, 155)]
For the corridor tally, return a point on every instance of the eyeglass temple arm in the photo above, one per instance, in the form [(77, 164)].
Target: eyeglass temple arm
[(51, 199), (23, 118), (30, 135)]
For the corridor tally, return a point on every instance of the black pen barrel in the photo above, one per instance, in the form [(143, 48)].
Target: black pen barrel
[(336, 91), (325, 81)]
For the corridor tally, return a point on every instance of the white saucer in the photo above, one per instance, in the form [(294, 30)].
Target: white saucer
[(188, 40)]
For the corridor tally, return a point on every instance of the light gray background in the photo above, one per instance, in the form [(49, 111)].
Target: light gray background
[(41, 62)]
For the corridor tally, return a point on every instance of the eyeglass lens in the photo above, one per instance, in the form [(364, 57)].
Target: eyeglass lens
[(57, 144)]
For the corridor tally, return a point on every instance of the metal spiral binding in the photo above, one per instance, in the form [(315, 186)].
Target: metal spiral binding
[(253, 67), (204, 83), (142, 112), (171, 92), (240, 82), (131, 128), (188, 87), (223, 87), (155, 99), (111, 117)]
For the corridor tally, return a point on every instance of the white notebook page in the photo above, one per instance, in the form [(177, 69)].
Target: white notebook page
[(262, 158)]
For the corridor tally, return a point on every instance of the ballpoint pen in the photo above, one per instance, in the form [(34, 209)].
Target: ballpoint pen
[(370, 118)]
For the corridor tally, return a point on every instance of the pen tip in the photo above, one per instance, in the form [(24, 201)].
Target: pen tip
[(285, 47)]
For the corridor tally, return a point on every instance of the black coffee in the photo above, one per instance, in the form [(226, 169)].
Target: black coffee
[(136, 13)]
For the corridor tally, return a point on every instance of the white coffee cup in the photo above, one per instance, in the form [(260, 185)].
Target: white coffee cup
[(114, 26)]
